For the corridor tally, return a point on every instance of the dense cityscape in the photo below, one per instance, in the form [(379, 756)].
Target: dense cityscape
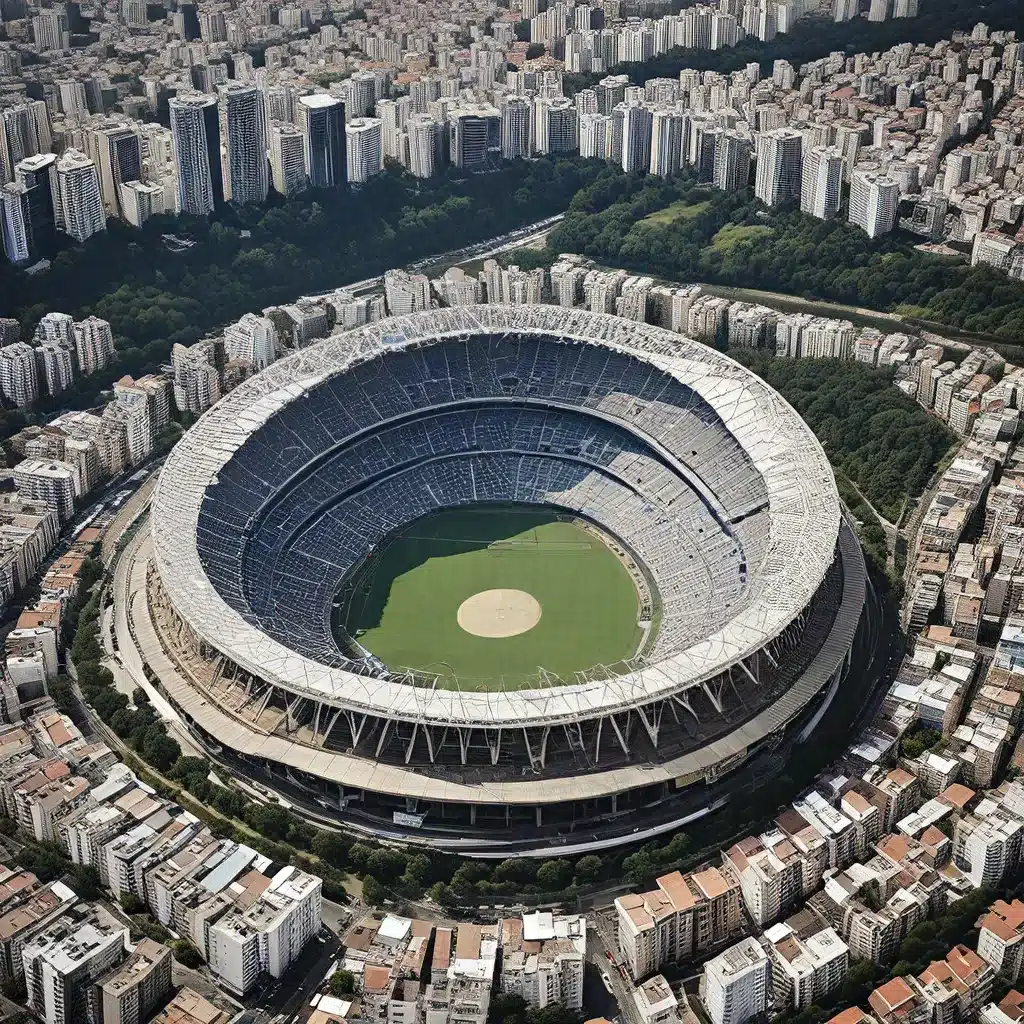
[(512, 514)]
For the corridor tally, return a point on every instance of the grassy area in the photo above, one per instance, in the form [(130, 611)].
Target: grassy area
[(679, 210), (732, 234), (405, 604)]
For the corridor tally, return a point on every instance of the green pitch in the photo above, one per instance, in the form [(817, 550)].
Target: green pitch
[(405, 602)]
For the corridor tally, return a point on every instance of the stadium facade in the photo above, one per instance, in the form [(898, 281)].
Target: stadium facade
[(705, 475)]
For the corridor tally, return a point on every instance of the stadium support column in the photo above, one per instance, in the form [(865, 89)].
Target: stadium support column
[(540, 815), (472, 814)]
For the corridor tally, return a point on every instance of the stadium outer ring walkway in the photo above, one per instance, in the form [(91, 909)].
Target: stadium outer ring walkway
[(274, 759)]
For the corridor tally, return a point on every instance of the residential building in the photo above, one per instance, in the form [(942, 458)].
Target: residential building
[(821, 186), (655, 1002), (243, 135), (94, 344), (779, 163), (270, 933), (287, 159), (62, 963), (809, 962), (78, 190), (684, 917), (874, 200), (129, 992), (19, 375), (365, 156), (999, 938), (736, 985), (322, 121), (542, 959), (195, 128), (51, 482)]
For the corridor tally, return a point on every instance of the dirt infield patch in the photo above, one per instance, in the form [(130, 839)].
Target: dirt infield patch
[(499, 613)]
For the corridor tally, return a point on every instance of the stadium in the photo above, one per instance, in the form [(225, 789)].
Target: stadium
[(494, 576)]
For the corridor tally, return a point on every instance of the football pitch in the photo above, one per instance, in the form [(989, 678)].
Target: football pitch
[(489, 595)]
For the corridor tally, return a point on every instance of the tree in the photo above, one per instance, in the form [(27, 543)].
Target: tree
[(858, 983), (186, 954), (554, 875), (332, 848), (374, 893), (270, 820), (417, 869), (343, 983), (588, 869), (131, 904), (15, 989), (85, 880)]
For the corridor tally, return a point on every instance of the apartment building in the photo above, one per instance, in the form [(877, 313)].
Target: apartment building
[(809, 962), (736, 984), (770, 873), (27, 918), (685, 916), (999, 938), (129, 992), (985, 849), (965, 980), (62, 963), (275, 919), (542, 959)]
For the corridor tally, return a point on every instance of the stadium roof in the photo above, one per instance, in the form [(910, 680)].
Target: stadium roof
[(804, 512)]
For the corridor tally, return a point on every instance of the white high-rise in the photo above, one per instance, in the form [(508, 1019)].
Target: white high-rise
[(267, 935), (393, 116), (253, 338), (363, 142), (195, 129), (15, 222), (425, 136), (57, 363), (287, 159), (667, 140), (19, 379), (874, 200), (129, 413), (62, 962), (406, 293), (736, 984), (779, 161), (594, 129), (94, 344), (53, 482), (822, 187), (56, 327), (78, 185), (845, 10), (243, 132), (516, 128), (116, 150)]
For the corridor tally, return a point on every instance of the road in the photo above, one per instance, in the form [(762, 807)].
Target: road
[(600, 945), (480, 250), (302, 980), (124, 660)]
